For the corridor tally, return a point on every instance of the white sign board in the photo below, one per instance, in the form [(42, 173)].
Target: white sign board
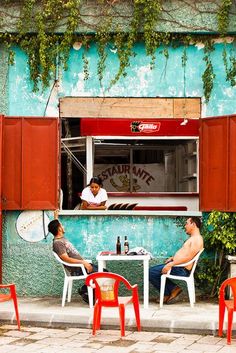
[(146, 177)]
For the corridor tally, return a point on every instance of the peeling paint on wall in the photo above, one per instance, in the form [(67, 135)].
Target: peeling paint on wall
[(165, 80)]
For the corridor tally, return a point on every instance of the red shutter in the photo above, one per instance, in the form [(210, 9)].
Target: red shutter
[(30, 163), (232, 164), (11, 165), (218, 164), (1, 123)]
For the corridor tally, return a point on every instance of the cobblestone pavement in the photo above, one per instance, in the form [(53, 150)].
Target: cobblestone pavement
[(80, 340)]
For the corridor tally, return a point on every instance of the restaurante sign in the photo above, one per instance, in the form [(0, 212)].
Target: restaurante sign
[(145, 177)]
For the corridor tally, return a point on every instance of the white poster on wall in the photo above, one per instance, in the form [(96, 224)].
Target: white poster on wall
[(146, 177)]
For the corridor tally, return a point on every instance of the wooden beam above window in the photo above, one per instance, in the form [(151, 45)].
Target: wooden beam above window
[(140, 108)]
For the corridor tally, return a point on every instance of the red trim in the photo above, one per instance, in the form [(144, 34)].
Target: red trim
[(160, 208), (138, 127), (1, 139), (152, 194)]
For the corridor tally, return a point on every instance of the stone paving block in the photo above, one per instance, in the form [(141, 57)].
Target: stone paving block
[(63, 334), (104, 338), (112, 349), (210, 340), (164, 339), (8, 327), (143, 336), (36, 336), (93, 345), (170, 348), (50, 350), (52, 332), (112, 332), (205, 347), (191, 336), (7, 339), (81, 336), (76, 329), (22, 342), (75, 344), (160, 351), (30, 348), (81, 350), (17, 334), (192, 351), (171, 334), (184, 341), (227, 349), (224, 342), (143, 347), (52, 341), (6, 348), (32, 329)]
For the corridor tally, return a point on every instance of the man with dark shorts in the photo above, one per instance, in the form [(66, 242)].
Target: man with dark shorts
[(190, 248)]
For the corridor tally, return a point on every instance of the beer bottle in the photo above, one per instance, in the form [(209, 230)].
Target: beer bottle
[(118, 246), (126, 245)]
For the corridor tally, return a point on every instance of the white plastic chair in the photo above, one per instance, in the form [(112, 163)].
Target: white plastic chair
[(189, 280), (68, 280)]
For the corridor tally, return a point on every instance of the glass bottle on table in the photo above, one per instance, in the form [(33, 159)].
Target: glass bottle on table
[(118, 246), (126, 245)]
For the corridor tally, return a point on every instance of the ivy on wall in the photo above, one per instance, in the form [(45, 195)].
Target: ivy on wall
[(47, 29)]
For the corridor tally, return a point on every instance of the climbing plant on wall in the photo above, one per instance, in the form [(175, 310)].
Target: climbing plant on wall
[(47, 29)]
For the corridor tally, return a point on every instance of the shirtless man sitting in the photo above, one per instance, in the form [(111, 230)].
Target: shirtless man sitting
[(190, 248)]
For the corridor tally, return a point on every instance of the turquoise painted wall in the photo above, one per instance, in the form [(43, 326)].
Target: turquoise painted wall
[(31, 265), (166, 80), (36, 273)]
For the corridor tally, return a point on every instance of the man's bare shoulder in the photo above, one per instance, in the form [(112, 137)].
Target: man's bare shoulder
[(196, 241)]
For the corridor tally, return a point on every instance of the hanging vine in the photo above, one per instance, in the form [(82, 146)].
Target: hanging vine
[(230, 66), (223, 16), (47, 29), (208, 76)]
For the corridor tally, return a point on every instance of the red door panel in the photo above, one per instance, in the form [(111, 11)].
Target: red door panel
[(11, 167), (232, 164), (40, 163), (1, 123), (214, 164), (30, 163)]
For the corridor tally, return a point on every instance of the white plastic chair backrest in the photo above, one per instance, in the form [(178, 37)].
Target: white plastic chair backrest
[(66, 265), (67, 272), (195, 260)]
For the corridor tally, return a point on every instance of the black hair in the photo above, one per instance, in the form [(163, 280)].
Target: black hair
[(197, 221), (96, 180), (53, 226)]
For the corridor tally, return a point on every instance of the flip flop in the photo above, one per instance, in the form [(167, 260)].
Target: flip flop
[(174, 294)]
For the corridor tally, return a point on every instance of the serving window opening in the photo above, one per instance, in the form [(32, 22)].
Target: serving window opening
[(129, 165)]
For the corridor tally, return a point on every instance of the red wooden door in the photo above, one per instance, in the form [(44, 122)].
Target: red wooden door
[(11, 164), (1, 122), (30, 167), (232, 164), (218, 164)]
